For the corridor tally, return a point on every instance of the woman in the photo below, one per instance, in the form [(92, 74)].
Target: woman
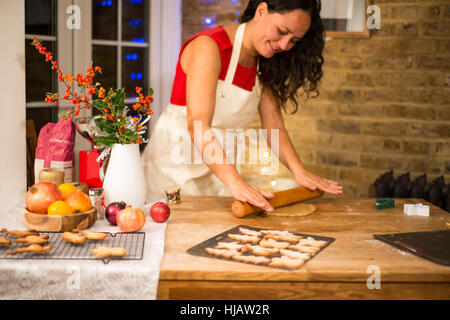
[(217, 87)]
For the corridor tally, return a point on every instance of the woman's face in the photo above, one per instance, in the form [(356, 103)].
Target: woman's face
[(277, 32)]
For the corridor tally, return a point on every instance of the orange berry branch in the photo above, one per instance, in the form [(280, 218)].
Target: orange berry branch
[(113, 120)]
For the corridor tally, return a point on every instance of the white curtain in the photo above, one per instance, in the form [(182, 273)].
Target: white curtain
[(165, 45)]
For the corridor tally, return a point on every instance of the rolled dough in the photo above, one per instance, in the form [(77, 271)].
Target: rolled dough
[(294, 210)]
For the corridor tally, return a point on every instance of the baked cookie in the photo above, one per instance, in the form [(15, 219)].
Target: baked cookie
[(251, 259), (91, 235), (73, 237), (244, 238), (312, 243), (36, 248), (304, 249), (225, 253), (258, 250), (284, 237), (249, 232), (294, 254), (104, 252), (33, 239), (270, 243), (5, 241), (286, 262), (20, 233), (230, 245)]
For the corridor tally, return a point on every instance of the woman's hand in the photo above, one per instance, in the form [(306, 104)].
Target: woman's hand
[(313, 182), (245, 192)]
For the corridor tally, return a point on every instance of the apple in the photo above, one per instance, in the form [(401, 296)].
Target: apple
[(160, 212)]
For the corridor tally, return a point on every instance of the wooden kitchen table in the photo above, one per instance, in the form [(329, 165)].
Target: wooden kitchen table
[(340, 271)]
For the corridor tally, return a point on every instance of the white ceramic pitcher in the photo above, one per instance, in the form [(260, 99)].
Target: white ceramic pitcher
[(124, 178)]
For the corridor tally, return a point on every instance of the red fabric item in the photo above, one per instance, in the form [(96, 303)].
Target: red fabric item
[(244, 77)]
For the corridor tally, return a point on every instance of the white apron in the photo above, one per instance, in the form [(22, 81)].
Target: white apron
[(170, 157)]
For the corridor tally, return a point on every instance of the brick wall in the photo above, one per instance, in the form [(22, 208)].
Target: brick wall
[(384, 101)]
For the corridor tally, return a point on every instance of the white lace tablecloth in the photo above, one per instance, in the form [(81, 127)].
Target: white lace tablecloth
[(84, 279)]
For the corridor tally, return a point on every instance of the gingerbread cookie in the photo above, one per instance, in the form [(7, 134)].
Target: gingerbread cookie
[(225, 253), (36, 248), (286, 262), (91, 235), (230, 245), (244, 238), (104, 252), (250, 259), (312, 243), (20, 233), (33, 239), (304, 249), (270, 243), (284, 237), (249, 232), (294, 254), (258, 250), (73, 237), (5, 241)]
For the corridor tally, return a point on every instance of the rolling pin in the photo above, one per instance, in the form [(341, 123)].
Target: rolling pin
[(281, 198)]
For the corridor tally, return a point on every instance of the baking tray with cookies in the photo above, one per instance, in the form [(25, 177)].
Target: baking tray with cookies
[(75, 245), (265, 247)]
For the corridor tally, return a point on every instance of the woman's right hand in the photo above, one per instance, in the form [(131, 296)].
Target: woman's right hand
[(245, 192)]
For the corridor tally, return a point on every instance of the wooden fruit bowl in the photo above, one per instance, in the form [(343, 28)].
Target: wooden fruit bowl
[(59, 223)]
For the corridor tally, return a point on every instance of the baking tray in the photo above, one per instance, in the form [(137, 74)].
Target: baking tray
[(63, 250), (199, 249), (432, 245)]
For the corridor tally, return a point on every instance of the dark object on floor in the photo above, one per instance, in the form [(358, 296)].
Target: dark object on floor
[(418, 187), (446, 205), (384, 185), (402, 186), (435, 192)]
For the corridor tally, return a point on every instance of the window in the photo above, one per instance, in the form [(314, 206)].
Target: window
[(40, 21), (120, 43)]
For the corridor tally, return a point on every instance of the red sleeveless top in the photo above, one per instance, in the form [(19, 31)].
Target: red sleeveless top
[(244, 77)]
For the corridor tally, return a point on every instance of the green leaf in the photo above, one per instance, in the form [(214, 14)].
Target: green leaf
[(105, 125), (99, 104), (150, 92), (106, 141), (118, 101)]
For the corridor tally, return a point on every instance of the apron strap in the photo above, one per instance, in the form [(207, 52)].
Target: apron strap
[(235, 54)]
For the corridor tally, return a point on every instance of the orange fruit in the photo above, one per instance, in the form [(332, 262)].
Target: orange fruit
[(59, 208), (79, 201), (66, 189)]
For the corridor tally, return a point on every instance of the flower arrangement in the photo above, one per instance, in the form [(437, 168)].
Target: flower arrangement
[(114, 121)]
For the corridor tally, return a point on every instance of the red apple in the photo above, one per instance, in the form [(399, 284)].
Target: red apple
[(160, 212)]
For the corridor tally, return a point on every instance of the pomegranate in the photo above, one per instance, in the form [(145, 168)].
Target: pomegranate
[(130, 219), (41, 195)]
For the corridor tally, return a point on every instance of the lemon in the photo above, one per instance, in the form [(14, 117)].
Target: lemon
[(59, 208), (66, 189)]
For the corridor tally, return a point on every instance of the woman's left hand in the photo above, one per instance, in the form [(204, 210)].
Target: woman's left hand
[(313, 182)]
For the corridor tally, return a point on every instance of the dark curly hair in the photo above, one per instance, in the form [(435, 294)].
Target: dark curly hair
[(301, 67)]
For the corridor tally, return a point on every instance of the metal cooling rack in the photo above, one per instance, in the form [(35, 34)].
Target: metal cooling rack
[(63, 250)]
